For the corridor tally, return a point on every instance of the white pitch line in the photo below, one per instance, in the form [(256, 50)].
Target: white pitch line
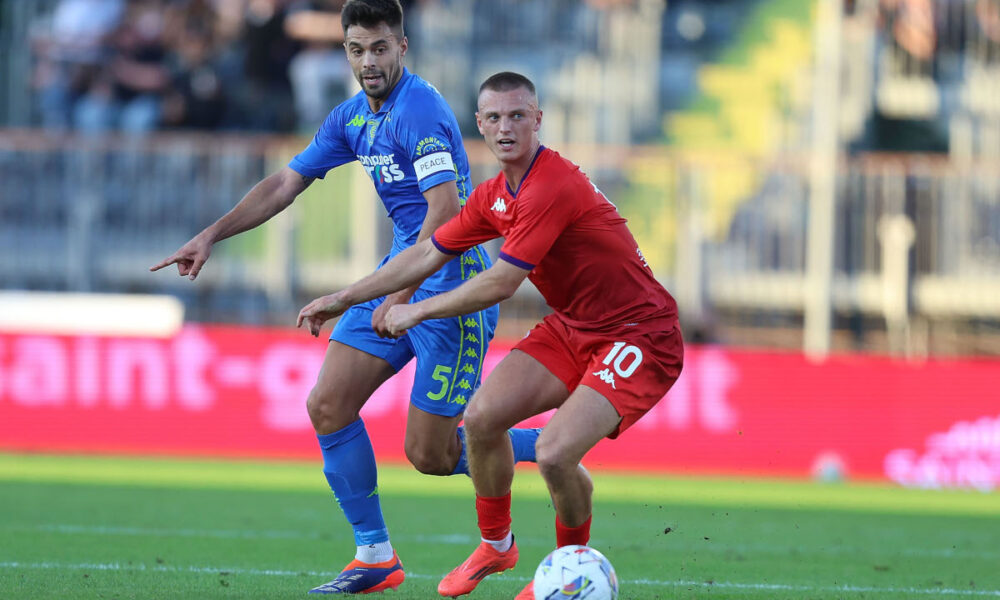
[(463, 539), (224, 571)]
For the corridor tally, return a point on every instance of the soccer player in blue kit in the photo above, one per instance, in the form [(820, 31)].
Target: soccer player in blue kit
[(407, 138)]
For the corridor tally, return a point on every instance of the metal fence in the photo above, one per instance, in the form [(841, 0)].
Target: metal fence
[(917, 238), (917, 242)]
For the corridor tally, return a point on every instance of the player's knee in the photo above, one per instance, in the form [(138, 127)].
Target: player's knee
[(324, 413), (552, 459), (480, 420), (315, 405), (429, 461)]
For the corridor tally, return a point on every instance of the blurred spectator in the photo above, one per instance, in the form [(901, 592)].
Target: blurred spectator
[(911, 23), (137, 65), (128, 93), (200, 45), (320, 76), (265, 94), (197, 99), (70, 46), (988, 18)]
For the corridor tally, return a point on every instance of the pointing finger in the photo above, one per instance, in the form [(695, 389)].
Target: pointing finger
[(163, 263)]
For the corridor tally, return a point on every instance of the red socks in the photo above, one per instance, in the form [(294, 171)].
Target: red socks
[(569, 536), (494, 523), (494, 516)]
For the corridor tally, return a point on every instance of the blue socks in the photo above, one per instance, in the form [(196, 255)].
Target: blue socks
[(523, 441), (349, 466)]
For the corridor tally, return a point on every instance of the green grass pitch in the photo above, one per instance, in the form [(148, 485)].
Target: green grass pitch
[(122, 528)]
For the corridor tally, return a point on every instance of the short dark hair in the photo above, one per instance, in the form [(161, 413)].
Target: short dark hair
[(506, 81), (369, 13)]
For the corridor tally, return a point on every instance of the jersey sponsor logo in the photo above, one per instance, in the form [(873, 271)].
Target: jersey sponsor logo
[(356, 121), (382, 167), (433, 163), (606, 376), (500, 205)]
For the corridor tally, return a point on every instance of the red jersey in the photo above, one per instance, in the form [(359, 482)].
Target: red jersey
[(557, 224)]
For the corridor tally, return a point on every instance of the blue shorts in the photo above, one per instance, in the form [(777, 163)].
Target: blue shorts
[(449, 352)]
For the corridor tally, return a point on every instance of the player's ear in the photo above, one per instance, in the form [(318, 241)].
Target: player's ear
[(403, 45), (538, 120), (479, 123)]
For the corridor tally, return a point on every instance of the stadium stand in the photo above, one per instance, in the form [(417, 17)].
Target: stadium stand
[(695, 117)]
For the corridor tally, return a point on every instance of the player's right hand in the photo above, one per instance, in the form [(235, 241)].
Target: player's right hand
[(321, 310), (188, 259)]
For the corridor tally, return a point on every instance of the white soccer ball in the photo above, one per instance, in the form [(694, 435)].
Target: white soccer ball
[(577, 572)]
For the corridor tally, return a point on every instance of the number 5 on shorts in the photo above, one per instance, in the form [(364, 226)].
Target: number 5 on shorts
[(441, 373)]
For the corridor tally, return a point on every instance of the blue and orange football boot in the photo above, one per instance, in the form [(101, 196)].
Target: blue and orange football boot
[(365, 578)]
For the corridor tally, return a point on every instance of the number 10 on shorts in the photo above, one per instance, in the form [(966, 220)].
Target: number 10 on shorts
[(626, 358)]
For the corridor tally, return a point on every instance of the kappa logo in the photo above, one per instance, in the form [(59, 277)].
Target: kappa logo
[(607, 377), (500, 205), (357, 121)]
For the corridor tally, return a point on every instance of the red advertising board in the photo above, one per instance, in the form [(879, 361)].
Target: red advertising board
[(238, 391)]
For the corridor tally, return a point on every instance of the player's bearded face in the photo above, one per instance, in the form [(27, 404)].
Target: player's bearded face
[(376, 57)]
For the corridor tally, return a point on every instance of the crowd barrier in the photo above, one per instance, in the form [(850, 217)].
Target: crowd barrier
[(240, 392)]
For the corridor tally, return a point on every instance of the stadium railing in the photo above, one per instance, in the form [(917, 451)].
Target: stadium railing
[(917, 237)]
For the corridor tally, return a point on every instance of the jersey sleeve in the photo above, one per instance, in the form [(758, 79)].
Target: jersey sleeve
[(543, 213), (328, 149), (468, 228), (424, 132)]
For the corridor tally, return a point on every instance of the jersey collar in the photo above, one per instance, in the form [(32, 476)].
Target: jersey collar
[(513, 193)]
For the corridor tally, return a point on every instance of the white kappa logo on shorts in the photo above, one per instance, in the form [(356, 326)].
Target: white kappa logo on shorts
[(607, 377)]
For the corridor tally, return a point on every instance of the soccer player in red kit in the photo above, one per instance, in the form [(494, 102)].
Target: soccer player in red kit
[(607, 353)]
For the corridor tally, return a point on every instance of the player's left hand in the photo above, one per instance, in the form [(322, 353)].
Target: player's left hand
[(401, 317), (321, 310), (378, 315)]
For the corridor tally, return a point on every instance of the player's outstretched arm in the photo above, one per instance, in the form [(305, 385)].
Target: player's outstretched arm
[(497, 283), (442, 204), (407, 268), (272, 195)]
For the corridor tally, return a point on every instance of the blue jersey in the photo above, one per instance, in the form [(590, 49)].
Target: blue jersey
[(410, 145)]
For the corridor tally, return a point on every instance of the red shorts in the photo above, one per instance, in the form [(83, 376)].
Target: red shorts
[(632, 367)]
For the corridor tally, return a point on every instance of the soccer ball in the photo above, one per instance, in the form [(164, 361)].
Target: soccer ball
[(577, 572)]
